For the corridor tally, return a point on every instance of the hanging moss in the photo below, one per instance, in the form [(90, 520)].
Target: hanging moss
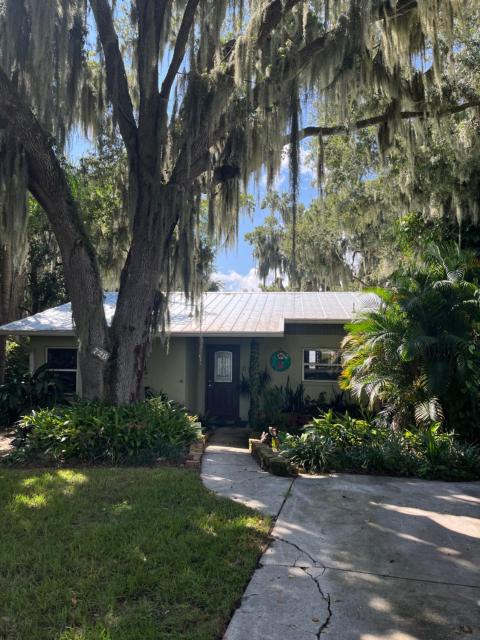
[(294, 156), (238, 95)]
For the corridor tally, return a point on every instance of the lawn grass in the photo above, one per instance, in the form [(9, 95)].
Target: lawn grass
[(120, 554)]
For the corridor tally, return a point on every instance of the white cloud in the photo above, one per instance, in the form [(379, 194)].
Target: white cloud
[(234, 281), (306, 167), (306, 164)]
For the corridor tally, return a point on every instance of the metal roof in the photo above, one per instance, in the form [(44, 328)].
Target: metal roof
[(220, 313)]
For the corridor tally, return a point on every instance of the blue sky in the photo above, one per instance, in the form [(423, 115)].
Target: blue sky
[(235, 266)]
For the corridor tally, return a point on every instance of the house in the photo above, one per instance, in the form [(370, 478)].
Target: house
[(205, 355)]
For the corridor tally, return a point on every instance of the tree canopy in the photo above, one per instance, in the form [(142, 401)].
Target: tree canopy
[(204, 93)]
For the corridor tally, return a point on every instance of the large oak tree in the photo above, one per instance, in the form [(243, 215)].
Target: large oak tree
[(203, 93)]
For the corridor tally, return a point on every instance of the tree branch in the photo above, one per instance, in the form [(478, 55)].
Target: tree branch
[(150, 15), (272, 14), (180, 46), (320, 46), (117, 84), (48, 184), (384, 117)]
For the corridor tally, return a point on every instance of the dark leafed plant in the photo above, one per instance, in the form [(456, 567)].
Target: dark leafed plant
[(255, 383), (26, 391), (416, 354)]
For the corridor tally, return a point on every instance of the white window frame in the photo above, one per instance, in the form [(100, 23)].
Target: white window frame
[(319, 366), (67, 370)]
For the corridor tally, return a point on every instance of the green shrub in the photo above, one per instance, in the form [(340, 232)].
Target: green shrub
[(415, 355), (96, 432), (17, 358), (341, 443), (26, 391)]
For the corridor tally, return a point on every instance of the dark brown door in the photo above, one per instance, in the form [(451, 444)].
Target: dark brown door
[(223, 380)]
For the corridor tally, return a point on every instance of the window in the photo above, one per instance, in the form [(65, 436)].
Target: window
[(321, 364), (64, 363), (223, 366)]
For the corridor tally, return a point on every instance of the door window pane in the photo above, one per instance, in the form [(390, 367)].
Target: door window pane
[(223, 366)]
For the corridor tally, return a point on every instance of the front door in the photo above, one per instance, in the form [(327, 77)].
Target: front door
[(223, 380)]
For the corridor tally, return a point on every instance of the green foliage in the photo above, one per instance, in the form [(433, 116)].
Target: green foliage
[(334, 442), (24, 392), (263, 382), (379, 201), (345, 237), (17, 358), (286, 406), (255, 382), (100, 184), (416, 356), (45, 284), (96, 432)]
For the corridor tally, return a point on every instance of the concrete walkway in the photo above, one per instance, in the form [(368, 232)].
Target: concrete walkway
[(229, 470), (355, 557)]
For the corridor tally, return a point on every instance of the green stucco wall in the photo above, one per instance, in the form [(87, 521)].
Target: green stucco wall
[(177, 367)]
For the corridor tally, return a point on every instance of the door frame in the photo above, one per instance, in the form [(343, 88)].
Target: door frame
[(235, 349)]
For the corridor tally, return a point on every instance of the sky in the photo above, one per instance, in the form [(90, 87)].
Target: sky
[(235, 267)]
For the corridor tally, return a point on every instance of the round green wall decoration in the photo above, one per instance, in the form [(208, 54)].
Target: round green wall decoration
[(280, 361)]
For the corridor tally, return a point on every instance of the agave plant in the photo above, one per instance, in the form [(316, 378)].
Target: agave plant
[(416, 355)]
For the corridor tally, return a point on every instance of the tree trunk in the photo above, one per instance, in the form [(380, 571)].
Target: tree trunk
[(140, 297), (49, 186), (6, 301)]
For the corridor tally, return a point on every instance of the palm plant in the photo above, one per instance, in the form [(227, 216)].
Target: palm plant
[(416, 354)]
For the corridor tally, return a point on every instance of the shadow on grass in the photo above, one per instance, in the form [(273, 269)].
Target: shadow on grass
[(120, 554)]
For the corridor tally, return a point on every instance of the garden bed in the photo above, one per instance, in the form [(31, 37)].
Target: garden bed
[(270, 460), (96, 433), (341, 443)]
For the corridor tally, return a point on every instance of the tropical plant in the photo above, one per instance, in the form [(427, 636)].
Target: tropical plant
[(416, 355), (27, 391), (285, 406), (94, 432), (336, 442), (17, 358)]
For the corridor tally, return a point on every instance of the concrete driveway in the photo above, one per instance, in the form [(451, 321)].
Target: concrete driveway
[(358, 557)]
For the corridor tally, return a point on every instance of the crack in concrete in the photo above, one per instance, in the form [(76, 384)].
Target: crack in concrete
[(302, 551), (326, 598), (408, 579), (316, 565)]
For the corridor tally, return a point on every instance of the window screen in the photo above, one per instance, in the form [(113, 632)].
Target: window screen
[(64, 363), (321, 364)]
